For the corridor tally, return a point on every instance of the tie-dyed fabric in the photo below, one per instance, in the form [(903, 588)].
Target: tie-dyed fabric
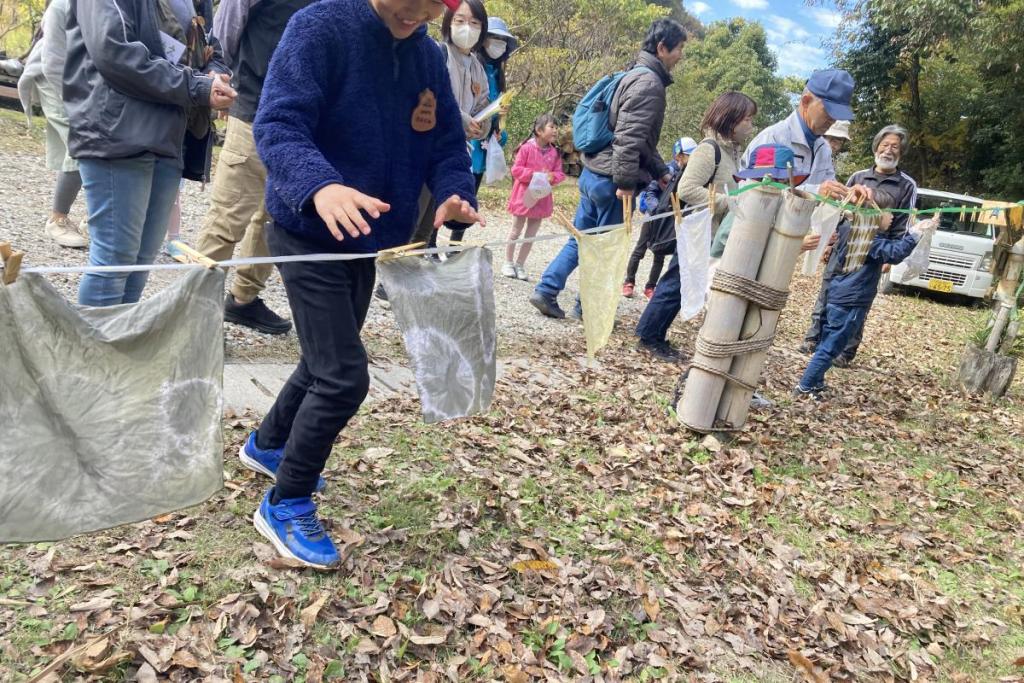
[(110, 415), (446, 314), (603, 259)]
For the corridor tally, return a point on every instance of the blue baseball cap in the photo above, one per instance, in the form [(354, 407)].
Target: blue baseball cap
[(774, 160), (834, 87)]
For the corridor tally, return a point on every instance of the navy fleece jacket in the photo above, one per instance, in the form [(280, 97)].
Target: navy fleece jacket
[(859, 287), (337, 107)]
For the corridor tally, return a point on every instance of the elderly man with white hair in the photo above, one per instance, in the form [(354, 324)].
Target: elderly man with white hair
[(889, 146)]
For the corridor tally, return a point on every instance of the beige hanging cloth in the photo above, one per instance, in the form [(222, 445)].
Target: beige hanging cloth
[(603, 259)]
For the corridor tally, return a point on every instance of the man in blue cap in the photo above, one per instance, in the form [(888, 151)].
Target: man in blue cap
[(825, 100)]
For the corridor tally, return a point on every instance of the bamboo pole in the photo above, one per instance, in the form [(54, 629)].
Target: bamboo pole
[(755, 214), (776, 271)]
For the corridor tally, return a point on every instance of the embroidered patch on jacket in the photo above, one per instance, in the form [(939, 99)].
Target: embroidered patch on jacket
[(424, 116)]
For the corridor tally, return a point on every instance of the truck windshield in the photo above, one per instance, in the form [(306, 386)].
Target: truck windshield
[(950, 222)]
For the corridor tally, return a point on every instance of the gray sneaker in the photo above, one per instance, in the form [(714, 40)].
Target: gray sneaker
[(546, 305)]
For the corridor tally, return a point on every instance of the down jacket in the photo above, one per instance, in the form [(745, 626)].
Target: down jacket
[(636, 116)]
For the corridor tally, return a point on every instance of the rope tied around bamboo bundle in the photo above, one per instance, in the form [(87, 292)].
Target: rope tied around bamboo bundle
[(762, 295), (707, 367), (759, 294), (727, 349)]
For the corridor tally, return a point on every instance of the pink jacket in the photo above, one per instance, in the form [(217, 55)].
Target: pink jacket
[(529, 160)]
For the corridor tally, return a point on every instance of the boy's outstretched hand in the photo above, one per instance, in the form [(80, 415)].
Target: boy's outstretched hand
[(456, 209), (339, 206)]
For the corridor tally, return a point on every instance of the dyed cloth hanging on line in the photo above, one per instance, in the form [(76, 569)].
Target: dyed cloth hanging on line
[(110, 415), (446, 314), (603, 259)]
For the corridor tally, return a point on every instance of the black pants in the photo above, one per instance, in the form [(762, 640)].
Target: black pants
[(638, 254), (329, 301), (813, 333)]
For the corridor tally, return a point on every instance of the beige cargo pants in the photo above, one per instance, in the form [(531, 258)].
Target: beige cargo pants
[(237, 211)]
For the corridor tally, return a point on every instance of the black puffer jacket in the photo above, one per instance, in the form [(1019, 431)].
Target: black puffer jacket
[(124, 98), (636, 115)]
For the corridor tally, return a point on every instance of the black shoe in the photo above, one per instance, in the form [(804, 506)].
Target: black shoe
[(661, 350), (842, 361), (254, 314), (808, 347), (577, 311), (546, 305), (380, 292)]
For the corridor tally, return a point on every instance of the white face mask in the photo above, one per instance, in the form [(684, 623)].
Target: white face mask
[(886, 162), (495, 48), (465, 36)]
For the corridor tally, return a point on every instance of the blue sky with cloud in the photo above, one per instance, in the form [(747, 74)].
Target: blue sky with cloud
[(796, 32)]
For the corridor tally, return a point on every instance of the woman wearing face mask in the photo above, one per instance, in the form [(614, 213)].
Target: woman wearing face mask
[(727, 124), (463, 33), (462, 30), (498, 45)]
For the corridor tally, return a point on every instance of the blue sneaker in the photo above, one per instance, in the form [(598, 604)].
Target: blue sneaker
[(267, 460), (295, 530)]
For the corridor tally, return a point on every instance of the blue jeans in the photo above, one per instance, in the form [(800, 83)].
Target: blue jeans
[(840, 324), (813, 333), (129, 202), (663, 307), (598, 206)]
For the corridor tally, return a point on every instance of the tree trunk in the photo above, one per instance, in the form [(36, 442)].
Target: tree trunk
[(917, 110), (984, 372)]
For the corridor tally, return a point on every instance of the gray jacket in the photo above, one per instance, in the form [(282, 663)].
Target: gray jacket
[(124, 97), (636, 115)]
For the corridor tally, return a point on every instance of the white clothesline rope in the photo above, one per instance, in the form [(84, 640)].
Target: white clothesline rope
[(231, 263)]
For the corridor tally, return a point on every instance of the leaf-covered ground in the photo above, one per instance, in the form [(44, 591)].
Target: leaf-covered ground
[(576, 533)]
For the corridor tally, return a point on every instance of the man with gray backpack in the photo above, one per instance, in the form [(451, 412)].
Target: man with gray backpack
[(616, 126)]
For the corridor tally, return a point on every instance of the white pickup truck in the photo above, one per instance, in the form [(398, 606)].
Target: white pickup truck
[(961, 254)]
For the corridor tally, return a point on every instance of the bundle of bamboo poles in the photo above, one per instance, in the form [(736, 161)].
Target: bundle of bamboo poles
[(748, 293)]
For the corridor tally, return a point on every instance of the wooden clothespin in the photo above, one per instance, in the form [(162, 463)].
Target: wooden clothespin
[(627, 213), (190, 255), (11, 261), (398, 252), (564, 221), (963, 212), (677, 210)]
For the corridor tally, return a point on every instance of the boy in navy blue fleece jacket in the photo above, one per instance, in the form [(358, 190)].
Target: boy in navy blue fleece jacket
[(356, 115), (850, 294)]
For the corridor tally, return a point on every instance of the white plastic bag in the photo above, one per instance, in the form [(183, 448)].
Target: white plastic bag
[(917, 262), (538, 188), (823, 222), (693, 244), (495, 169)]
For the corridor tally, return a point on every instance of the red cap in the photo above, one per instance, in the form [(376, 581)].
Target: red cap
[(453, 4)]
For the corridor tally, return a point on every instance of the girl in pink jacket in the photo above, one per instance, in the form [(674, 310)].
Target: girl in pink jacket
[(536, 155)]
